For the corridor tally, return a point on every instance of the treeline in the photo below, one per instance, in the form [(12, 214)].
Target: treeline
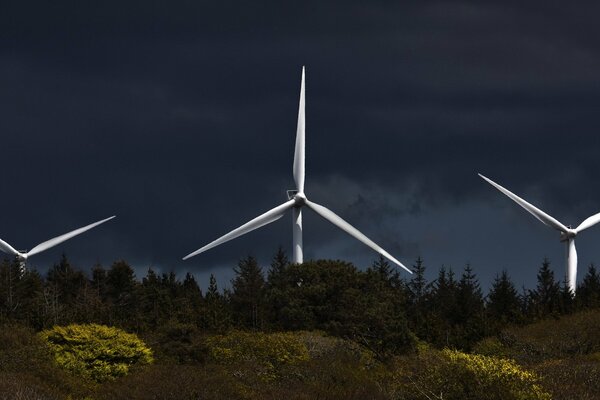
[(376, 307)]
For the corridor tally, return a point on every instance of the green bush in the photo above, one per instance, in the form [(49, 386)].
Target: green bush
[(450, 374), (267, 352), (96, 351), (178, 343)]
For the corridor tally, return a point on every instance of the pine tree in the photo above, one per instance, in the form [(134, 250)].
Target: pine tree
[(471, 310), (441, 310), (588, 293), (247, 298), (216, 315), (121, 293), (275, 288), (418, 290), (504, 305), (544, 300)]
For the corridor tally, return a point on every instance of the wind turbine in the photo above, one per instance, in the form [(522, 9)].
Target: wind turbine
[(567, 234), (296, 201), (22, 256)]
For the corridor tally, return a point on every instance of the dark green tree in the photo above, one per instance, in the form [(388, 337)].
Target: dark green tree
[(247, 297), (216, 311), (588, 293), (504, 305), (121, 294), (544, 301), (275, 287), (418, 292)]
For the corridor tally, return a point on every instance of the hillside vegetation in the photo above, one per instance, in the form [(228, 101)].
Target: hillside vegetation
[(323, 329)]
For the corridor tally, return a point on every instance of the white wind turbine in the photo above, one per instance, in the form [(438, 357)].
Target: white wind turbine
[(567, 234), (22, 256), (296, 200)]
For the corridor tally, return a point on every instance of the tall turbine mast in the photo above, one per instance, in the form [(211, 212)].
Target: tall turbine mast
[(567, 234), (296, 200)]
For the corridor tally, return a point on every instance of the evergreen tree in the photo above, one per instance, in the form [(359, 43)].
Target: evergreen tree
[(504, 305), (566, 304), (471, 308), (442, 311), (418, 291), (216, 315), (544, 300), (121, 294), (588, 293), (67, 280), (247, 298), (275, 288), (154, 302)]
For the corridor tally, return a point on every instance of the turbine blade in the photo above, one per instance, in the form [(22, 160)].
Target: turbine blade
[(536, 212), (261, 220), (300, 139), (7, 248), (572, 266), (352, 231), (588, 223), (59, 239)]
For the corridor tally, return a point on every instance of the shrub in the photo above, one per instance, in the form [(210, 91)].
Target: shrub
[(178, 343), (266, 351), (450, 374), (96, 351)]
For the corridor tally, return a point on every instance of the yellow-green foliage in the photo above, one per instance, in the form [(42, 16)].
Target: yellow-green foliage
[(267, 351), (497, 375), (96, 351), (450, 374)]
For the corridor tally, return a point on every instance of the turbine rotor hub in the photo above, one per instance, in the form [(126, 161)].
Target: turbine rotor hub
[(300, 199)]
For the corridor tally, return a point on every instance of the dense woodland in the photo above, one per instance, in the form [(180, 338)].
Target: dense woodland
[(376, 308)]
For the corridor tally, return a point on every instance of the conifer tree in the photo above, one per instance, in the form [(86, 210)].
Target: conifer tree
[(247, 298), (588, 293), (504, 305), (471, 318), (418, 290), (216, 315), (544, 300)]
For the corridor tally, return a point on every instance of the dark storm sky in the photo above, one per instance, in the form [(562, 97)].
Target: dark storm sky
[(180, 117)]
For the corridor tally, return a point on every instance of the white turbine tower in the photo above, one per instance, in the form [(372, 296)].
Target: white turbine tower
[(296, 200), (567, 234), (22, 256)]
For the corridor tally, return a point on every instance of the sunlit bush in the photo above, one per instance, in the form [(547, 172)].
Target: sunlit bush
[(450, 374), (96, 351)]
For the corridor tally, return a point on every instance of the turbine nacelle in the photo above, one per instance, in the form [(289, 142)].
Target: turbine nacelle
[(570, 234)]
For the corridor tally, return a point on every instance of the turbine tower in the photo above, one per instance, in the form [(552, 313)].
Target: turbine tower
[(22, 256), (567, 234), (296, 201)]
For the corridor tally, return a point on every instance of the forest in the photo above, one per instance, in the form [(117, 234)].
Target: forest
[(322, 329)]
